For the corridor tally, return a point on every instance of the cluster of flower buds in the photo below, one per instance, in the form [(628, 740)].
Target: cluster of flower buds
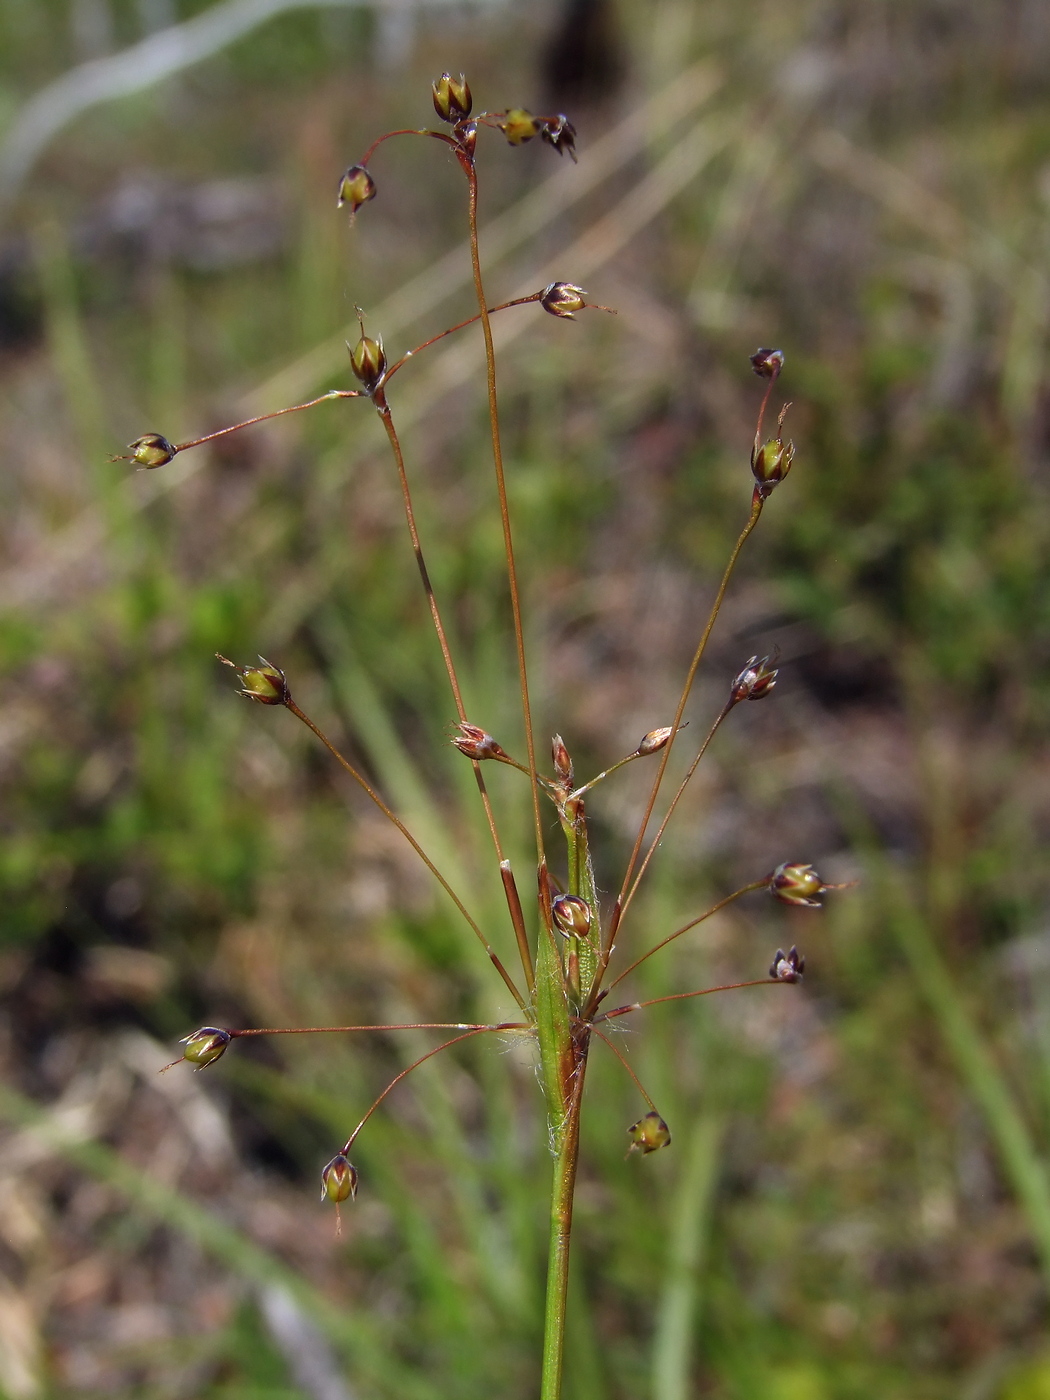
[(795, 883), (767, 364), (519, 126), (265, 684), (787, 967), (149, 451), (475, 743), (452, 99), (572, 915), (356, 187), (756, 680), (649, 1134), (339, 1180), (205, 1046), (368, 362)]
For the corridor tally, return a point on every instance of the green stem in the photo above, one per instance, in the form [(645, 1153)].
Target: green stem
[(567, 1136)]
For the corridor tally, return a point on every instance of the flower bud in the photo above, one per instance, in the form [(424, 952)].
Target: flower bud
[(771, 463), (560, 133), (563, 299), (787, 967), (205, 1046), (368, 362), (151, 450), (355, 188), (572, 915), (767, 364), (562, 762), (452, 98), (475, 743), (756, 680), (518, 126), (649, 1134), (265, 683), (339, 1180), (654, 741), (795, 883)]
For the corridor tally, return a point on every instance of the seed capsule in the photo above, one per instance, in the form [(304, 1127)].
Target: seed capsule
[(518, 126), (560, 133), (339, 1180), (151, 450), (771, 463), (355, 188), (654, 741), (767, 364), (795, 883), (452, 100), (756, 680), (649, 1134), (205, 1046), (368, 362), (563, 299), (475, 742), (265, 684), (787, 967), (572, 915), (563, 770)]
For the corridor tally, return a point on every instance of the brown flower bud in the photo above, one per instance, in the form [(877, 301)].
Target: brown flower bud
[(767, 364), (452, 99), (562, 761), (795, 883), (368, 362), (563, 299), (475, 743), (339, 1180), (649, 1134), (265, 683), (787, 967), (518, 126), (756, 680), (560, 133), (654, 741), (572, 915), (151, 450), (205, 1046), (355, 188)]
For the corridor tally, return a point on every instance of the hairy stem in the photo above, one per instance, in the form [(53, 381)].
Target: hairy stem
[(567, 1139)]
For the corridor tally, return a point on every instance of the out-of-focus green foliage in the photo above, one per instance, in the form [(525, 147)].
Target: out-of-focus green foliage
[(874, 199)]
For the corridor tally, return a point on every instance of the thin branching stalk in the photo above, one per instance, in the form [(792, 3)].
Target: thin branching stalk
[(623, 1061), (367, 787), (504, 507), (744, 889)]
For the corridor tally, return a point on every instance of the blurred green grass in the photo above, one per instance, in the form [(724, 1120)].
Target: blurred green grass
[(843, 1212)]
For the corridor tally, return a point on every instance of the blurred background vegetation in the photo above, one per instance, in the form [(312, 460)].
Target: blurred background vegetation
[(856, 1203)]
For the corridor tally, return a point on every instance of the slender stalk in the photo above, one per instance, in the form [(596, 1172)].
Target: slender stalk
[(504, 508), (623, 1061), (562, 1195), (744, 889), (685, 996), (367, 787), (617, 911), (460, 325), (671, 809), (513, 902), (445, 1045), (332, 1030)]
